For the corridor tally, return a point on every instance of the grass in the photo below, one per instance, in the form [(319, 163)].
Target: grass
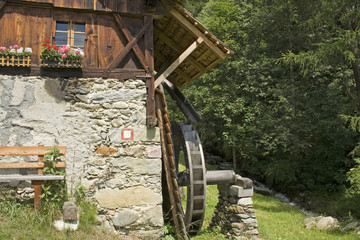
[(336, 205), (278, 220), (22, 222)]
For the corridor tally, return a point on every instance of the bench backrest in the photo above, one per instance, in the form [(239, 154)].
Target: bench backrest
[(30, 151), (22, 151)]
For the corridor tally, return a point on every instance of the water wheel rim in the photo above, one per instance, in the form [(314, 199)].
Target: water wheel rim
[(187, 139)]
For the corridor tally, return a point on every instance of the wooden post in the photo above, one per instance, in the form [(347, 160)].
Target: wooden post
[(38, 185), (37, 192), (151, 120)]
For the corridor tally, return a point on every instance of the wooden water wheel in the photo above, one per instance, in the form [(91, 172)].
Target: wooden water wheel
[(180, 138), (193, 178)]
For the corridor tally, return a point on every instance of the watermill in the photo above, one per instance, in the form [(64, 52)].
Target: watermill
[(184, 50), (182, 143)]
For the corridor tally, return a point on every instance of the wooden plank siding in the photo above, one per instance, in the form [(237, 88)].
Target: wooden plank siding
[(121, 6), (30, 26)]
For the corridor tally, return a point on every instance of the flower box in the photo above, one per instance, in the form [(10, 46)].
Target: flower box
[(15, 61), (63, 56), (64, 64), (15, 56)]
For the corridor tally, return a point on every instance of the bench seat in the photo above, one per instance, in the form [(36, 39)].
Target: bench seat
[(32, 177)]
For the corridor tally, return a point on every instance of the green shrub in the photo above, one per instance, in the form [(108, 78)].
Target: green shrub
[(54, 191)]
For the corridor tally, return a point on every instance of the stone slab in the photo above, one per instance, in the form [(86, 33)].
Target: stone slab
[(114, 198), (138, 165), (153, 152), (106, 151), (243, 182), (154, 216), (70, 211), (237, 191), (245, 201), (125, 218), (111, 96)]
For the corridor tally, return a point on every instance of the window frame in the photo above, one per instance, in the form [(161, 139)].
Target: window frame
[(70, 33)]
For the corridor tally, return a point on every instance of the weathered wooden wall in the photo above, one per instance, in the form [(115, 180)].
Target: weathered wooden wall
[(104, 39), (123, 6)]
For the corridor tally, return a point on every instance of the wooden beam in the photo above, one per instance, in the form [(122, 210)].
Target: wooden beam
[(187, 109), (188, 25), (29, 150), (168, 4), (151, 120), (85, 72), (2, 4), (174, 46), (164, 38), (28, 165), (177, 70), (125, 51), (178, 61), (172, 200), (129, 37)]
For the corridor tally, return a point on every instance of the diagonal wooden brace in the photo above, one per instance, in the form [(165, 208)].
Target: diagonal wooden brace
[(178, 61), (129, 37), (125, 51)]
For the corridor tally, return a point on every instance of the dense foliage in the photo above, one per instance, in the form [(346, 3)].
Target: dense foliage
[(283, 101)]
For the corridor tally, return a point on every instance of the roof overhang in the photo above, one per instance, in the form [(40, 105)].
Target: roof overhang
[(184, 49)]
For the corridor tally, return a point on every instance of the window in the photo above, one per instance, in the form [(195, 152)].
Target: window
[(70, 33)]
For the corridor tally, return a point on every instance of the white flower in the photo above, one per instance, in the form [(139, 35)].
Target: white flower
[(13, 50), (28, 50), (68, 46), (20, 50)]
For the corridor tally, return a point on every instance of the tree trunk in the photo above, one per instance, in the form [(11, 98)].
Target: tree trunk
[(234, 158), (356, 71)]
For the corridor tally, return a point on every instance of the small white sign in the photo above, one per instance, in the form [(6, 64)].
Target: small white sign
[(127, 134)]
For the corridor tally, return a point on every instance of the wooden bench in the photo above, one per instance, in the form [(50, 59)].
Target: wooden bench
[(37, 180)]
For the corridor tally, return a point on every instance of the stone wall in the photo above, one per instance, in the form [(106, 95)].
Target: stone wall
[(234, 213), (123, 177)]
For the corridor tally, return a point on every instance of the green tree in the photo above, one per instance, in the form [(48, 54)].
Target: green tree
[(335, 40), (284, 125), (195, 7)]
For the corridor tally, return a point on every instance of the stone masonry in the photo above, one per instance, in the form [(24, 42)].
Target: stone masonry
[(234, 213), (122, 177)]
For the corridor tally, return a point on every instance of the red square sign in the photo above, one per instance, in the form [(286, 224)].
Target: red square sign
[(127, 134)]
